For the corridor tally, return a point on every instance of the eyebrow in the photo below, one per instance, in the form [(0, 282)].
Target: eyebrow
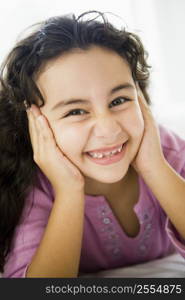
[(84, 101)]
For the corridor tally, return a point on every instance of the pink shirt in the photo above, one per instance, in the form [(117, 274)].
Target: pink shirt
[(105, 245)]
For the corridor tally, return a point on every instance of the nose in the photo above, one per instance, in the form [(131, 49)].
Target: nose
[(108, 128)]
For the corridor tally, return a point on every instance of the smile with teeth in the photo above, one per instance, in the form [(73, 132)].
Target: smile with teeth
[(105, 154)]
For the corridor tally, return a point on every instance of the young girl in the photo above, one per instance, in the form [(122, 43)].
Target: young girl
[(89, 181)]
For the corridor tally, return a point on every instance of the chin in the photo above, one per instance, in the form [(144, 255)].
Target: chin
[(108, 180), (108, 177)]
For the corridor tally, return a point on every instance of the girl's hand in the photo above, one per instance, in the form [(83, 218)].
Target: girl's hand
[(150, 155), (58, 168)]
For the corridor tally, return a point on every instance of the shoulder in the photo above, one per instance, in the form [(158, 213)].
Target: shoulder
[(173, 147), (170, 140), (39, 199), (43, 184)]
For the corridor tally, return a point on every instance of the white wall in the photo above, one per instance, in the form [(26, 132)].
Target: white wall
[(160, 23)]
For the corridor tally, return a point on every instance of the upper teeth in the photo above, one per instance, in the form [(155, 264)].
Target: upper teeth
[(100, 155)]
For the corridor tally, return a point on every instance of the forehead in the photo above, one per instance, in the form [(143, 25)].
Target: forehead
[(90, 69)]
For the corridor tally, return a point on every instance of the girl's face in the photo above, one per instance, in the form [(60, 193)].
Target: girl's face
[(91, 103)]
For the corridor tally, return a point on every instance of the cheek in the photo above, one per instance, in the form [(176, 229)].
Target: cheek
[(70, 140)]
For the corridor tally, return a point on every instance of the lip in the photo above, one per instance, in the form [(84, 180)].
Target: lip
[(105, 149), (109, 160)]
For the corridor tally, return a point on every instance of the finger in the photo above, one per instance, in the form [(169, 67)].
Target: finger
[(42, 132), (41, 123), (145, 109), (44, 128), (35, 110), (30, 124), (141, 97), (47, 139), (33, 131), (149, 119)]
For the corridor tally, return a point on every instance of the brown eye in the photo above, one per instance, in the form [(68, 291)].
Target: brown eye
[(119, 101), (76, 112)]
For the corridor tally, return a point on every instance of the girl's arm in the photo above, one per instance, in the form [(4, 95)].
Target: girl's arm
[(165, 183), (58, 254), (169, 189)]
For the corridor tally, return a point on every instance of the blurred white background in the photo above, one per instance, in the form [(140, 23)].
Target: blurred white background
[(160, 24)]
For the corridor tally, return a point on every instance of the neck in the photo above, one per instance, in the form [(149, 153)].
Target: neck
[(93, 187)]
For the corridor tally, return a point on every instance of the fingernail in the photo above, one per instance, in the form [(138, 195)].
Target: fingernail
[(41, 120)]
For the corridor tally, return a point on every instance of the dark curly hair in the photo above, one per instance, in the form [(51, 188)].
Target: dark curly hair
[(51, 38)]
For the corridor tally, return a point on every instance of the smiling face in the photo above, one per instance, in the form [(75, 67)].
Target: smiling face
[(91, 103)]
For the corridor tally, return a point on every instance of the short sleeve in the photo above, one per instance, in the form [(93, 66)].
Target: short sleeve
[(29, 231)]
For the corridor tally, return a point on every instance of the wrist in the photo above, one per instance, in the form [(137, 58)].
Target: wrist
[(61, 190), (154, 169)]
